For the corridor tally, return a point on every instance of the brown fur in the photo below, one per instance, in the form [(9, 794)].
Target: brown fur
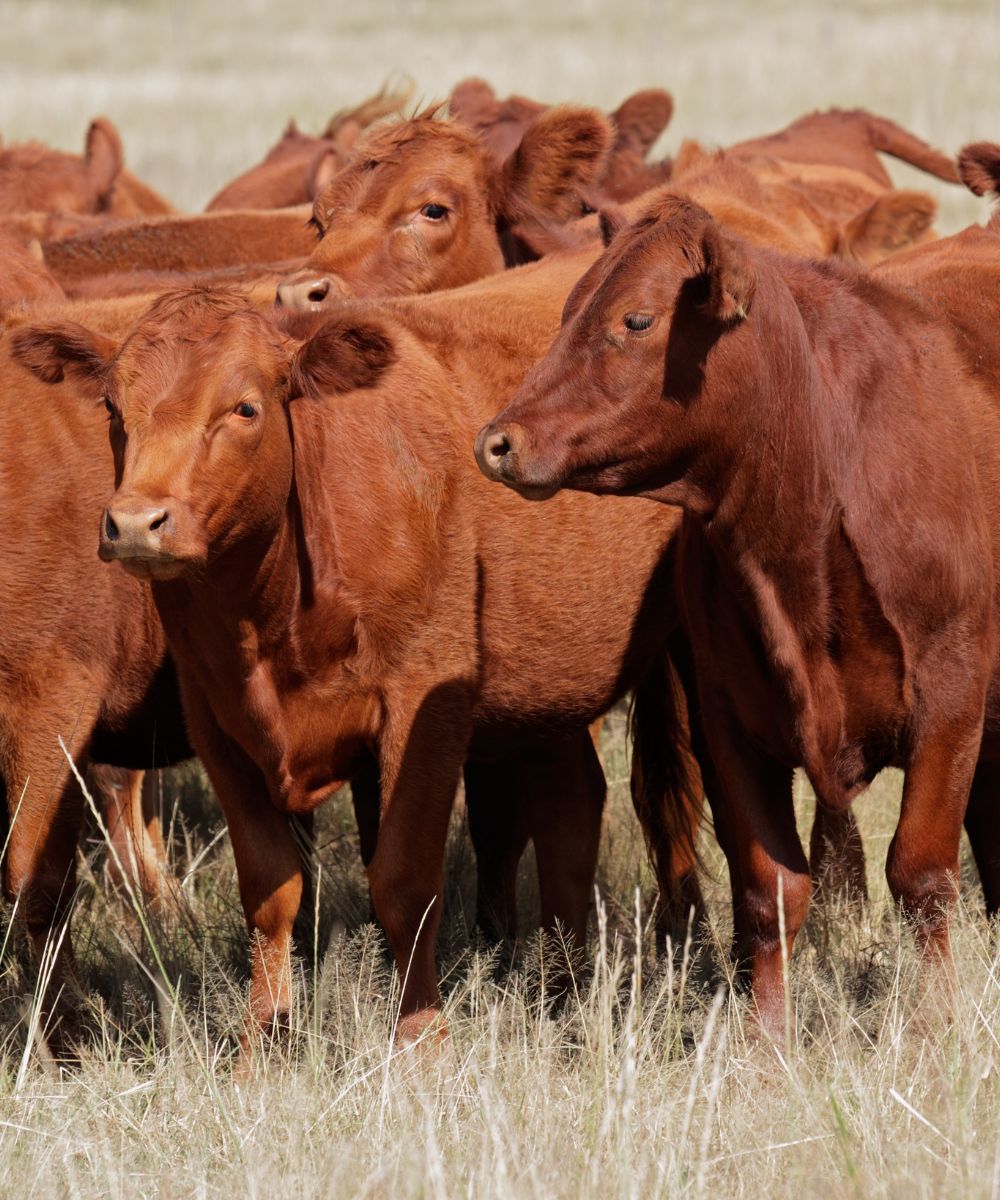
[(205, 242), (24, 277), (638, 122), (410, 616), (298, 166), (83, 658), (834, 441), (34, 178), (376, 237)]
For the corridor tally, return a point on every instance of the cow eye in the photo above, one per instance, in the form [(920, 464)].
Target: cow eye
[(110, 407), (638, 322), (434, 212), (315, 225), (245, 409)]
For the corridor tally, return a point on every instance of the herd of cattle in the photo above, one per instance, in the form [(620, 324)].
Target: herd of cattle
[(267, 413)]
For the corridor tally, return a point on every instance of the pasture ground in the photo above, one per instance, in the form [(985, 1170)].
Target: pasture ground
[(644, 1083)]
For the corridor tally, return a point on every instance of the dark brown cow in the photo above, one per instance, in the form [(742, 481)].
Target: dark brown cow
[(423, 207), (637, 122), (34, 178), (834, 443), (299, 166), (314, 626)]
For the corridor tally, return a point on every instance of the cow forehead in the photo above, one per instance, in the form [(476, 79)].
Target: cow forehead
[(199, 362), (373, 182)]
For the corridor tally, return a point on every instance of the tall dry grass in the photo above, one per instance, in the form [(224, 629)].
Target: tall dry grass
[(646, 1081)]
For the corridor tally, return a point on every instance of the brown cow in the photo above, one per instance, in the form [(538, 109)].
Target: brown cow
[(423, 207), (203, 242), (850, 139), (386, 626), (82, 658), (833, 441), (297, 167), (34, 178), (637, 122), (24, 277)]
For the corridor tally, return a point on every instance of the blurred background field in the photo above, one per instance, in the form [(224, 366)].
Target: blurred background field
[(200, 90), (644, 1082)]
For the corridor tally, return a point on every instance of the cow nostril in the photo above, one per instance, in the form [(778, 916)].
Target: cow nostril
[(159, 520), (110, 528), (498, 449), (318, 292)]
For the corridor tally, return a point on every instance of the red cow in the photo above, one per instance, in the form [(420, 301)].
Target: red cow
[(364, 595), (24, 277), (423, 207), (34, 178), (299, 166), (82, 658), (833, 441), (637, 122)]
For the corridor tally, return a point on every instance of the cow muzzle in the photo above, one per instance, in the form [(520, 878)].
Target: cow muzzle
[(503, 452), (310, 291), (143, 537)]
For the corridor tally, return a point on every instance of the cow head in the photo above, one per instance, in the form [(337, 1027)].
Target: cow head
[(423, 206), (617, 404), (34, 178), (197, 397)]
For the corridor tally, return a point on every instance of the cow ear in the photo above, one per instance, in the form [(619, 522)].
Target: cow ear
[(324, 167), (611, 221), (104, 157), (471, 101), (729, 276), (341, 356), (563, 152), (890, 223), (54, 352), (641, 119)]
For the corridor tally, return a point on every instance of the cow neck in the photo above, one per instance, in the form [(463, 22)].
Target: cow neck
[(266, 596), (779, 527)]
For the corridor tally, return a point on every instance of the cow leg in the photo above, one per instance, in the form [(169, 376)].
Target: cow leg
[(565, 790), (131, 817), (983, 828), (753, 805), (499, 817), (837, 855), (45, 805), (922, 863), (422, 748), (268, 866)]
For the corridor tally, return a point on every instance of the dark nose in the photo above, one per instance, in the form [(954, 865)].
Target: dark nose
[(306, 292), (134, 531)]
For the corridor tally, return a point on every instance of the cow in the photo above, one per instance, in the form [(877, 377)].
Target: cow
[(851, 140), (83, 658), (34, 178), (832, 438), (368, 248), (423, 207), (24, 277), (339, 588), (637, 123), (199, 243), (299, 166)]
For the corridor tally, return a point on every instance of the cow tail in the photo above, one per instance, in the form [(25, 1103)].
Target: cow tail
[(890, 138), (667, 793)]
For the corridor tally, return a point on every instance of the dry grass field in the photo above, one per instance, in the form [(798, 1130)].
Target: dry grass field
[(646, 1081)]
